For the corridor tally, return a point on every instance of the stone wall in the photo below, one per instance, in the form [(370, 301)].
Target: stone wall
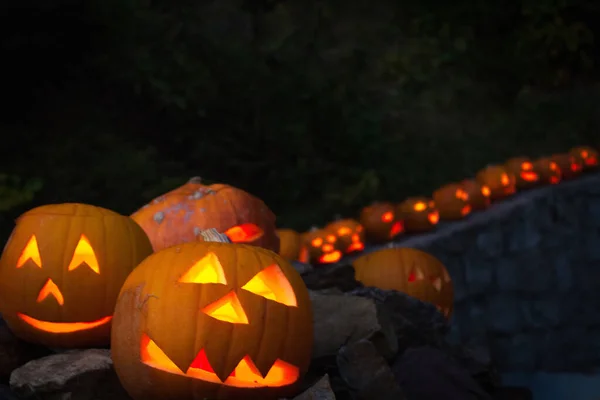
[(527, 277)]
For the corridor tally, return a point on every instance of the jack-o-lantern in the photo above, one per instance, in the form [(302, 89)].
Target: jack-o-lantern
[(350, 235), (547, 171), (522, 169), (587, 155), (478, 194), (381, 222), (212, 320), (452, 201), (419, 214), (61, 272), (290, 243), (500, 183), (181, 214), (410, 271), (569, 165), (320, 247)]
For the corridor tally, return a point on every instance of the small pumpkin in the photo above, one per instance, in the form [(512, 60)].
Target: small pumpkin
[(452, 201), (419, 214), (522, 169), (290, 243), (320, 247), (479, 195), (350, 235), (547, 170), (181, 214), (411, 271), (588, 156), (61, 272), (381, 222), (500, 183), (569, 165), (212, 320)]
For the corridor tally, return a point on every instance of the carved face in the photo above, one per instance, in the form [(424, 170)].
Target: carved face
[(523, 171), (587, 156), (178, 216), (547, 171), (498, 180), (349, 233), (419, 214), (212, 320), (407, 270), (61, 272), (569, 165), (478, 195), (452, 201), (320, 247), (381, 222)]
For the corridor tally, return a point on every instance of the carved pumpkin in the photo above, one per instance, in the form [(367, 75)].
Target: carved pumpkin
[(180, 215), (419, 214), (381, 222), (212, 320), (407, 270), (452, 201), (479, 195), (61, 272), (547, 171), (569, 165), (349, 233), (587, 155), (320, 247), (498, 180), (290, 244), (522, 169)]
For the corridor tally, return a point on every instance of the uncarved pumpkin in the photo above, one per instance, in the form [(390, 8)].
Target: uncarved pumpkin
[(178, 216), (61, 272), (290, 243), (212, 320)]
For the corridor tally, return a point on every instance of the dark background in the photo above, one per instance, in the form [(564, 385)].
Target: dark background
[(318, 107)]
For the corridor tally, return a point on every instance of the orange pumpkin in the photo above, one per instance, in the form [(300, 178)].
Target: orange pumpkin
[(547, 171), (569, 165), (522, 169), (320, 247), (349, 233), (212, 320), (410, 271), (178, 216), (452, 202), (380, 222), (419, 214), (478, 194), (500, 183), (290, 244), (588, 156), (61, 272)]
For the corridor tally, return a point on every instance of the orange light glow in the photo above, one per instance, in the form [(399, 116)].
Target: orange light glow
[(387, 217), (575, 167), (465, 210), (245, 375), (303, 256), (433, 217), (30, 252), (206, 270), (416, 275), (50, 288), (591, 161), (553, 166), (356, 246), (327, 247), (397, 228), (62, 327), (343, 231), (485, 191), (244, 233), (332, 257), (272, 284), (331, 238), (505, 180), (527, 166), (529, 176), (84, 254), (420, 206), (461, 194), (228, 308), (584, 154), (554, 180), (316, 242)]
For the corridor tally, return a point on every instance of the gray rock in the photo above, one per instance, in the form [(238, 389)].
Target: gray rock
[(302, 268), (319, 391)]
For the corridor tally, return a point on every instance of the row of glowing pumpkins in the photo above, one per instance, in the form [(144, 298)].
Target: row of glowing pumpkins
[(385, 221)]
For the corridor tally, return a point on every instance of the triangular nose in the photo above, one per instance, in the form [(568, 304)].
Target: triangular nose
[(228, 308), (50, 288)]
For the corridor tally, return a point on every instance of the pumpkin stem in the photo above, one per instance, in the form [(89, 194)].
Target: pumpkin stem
[(195, 179), (212, 235)]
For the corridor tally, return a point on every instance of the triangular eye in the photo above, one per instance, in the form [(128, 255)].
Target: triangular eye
[(272, 284), (416, 275), (84, 253), (436, 282), (30, 252), (206, 270)]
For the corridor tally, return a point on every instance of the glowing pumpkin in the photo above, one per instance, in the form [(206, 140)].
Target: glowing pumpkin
[(349, 233), (180, 215), (452, 202), (320, 247), (547, 171), (410, 271), (290, 244), (587, 155), (499, 181), (212, 320), (569, 165), (478, 194), (381, 222), (522, 169), (419, 214), (61, 272)]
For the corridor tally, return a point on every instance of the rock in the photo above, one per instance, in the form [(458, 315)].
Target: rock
[(302, 268), (319, 391), (72, 375), (340, 276), (339, 320), (366, 372), (426, 373), (512, 393), (15, 352)]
